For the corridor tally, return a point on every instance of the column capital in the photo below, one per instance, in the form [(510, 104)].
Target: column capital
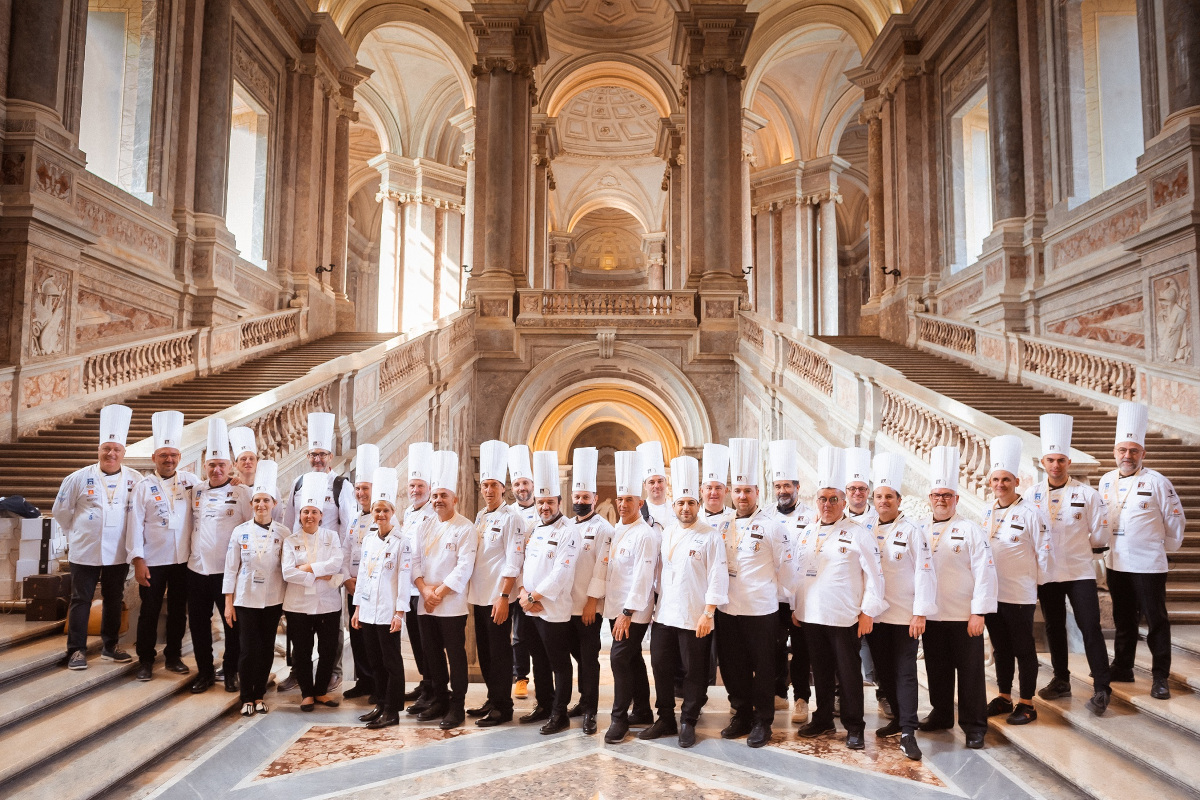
[(508, 37), (712, 37)]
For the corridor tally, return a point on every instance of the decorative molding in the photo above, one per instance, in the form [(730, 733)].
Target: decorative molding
[(1100, 234), (1169, 187)]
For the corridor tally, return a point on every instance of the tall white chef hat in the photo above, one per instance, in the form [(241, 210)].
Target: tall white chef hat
[(420, 461), (313, 488), (493, 461), (266, 479), (241, 440), (888, 470), (716, 463), (856, 465), (629, 473), (785, 462), (1004, 453), (384, 483), (831, 467), (651, 459), (1056, 434), (168, 430), (445, 471), (218, 440), (545, 474), (685, 478), (320, 431), (743, 462), (583, 469), (366, 461), (1131, 423), (519, 465), (943, 468), (114, 424)]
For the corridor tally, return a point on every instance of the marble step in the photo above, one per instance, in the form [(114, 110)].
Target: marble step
[(37, 655), (14, 630), (54, 687), (1182, 710), (1184, 639)]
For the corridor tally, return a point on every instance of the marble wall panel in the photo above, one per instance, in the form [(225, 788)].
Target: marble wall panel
[(991, 348), (1120, 323), (6, 397), (1181, 398), (47, 387), (98, 317), (1172, 317), (1169, 187), (960, 298), (100, 219), (54, 179), (1100, 234)]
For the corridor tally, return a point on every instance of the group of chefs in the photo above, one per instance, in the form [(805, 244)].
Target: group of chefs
[(771, 594)]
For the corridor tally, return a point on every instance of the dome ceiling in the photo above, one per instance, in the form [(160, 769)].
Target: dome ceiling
[(606, 24), (608, 121)]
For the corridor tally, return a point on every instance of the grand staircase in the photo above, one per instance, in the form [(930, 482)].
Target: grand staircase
[(1021, 406), (34, 466)]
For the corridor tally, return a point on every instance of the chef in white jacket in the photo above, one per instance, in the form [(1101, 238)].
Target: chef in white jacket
[(337, 506), (714, 487), (837, 591), (312, 567), (795, 515), (499, 556), (966, 591), (630, 566), (520, 476), (1145, 522), (693, 581), (366, 461), (92, 507), (381, 599), (419, 469), (1075, 514), (910, 589), (857, 466), (253, 585), (654, 476), (158, 538), (443, 560), (1017, 533), (218, 506)]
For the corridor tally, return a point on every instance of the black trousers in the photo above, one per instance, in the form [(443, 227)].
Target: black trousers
[(671, 648), (1085, 603), (364, 675), (204, 595), (169, 580), (493, 644), (1011, 631), (791, 641), (836, 661), (444, 640), (413, 629), (520, 648), (631, 683), (1144, 593), (746, 654), (895, 656), (83, 590), (550, 650), (325, 629), (951, 651), (383, 651), (585, 647), (256, 648)]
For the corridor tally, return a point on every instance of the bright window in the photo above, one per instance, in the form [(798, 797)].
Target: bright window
[(246, 198), (972, 185)]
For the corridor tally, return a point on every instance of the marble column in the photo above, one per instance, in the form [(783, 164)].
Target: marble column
[(391, 260), (751, 123), (341, 190), (560, 260), (793, 297), (465, 122), (654, 248), (35, 50), (875, 211), (827, 275), (1005, 110), (1182, 33), (545, 147), (670, 149), (215, 109)]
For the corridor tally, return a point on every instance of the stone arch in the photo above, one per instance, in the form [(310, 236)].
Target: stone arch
[(606, 69)]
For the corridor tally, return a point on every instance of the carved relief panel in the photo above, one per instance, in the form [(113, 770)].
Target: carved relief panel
[(49, 310), (1172, 313)]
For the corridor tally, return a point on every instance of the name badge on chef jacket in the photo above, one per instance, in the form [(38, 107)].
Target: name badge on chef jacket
[(259, 577)]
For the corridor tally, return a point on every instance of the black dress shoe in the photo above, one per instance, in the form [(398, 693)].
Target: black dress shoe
[(889, 730), (358, 690), (1099, 702), (616, 730), (373, 714), (177, 666), (854, 741), (975, 741), (575, 710), (412, 696), (435, 711), (384, 721), (482, 711), (556, 724), (417, 708), (538, 714), (935, 723), (493, 719), (908, 746), (1023, 714), (737, 728), (1160, 691), (760, 734), (231, 683), (644, 717), (998, 706), (202, 683), (143, 672), (453, 719), (589, 723), (663, 726), (814, 729), (687, 735)]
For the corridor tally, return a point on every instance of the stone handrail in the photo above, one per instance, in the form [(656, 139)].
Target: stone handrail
[(270, 328), (582, 308), (811, 366), (1087, 370), (117, 366), (752, 332), (920, 429), (401, 363), (947, 334)]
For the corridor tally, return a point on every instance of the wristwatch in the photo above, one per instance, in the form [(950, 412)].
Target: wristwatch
[(710, 614), (627, 612), (504, 595)]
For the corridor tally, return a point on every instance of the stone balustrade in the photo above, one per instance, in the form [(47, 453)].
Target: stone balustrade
[(131, 363), (581, 309), (947, 334), (920, 428), (270, 329), (400, 364), (1079, 368), (752, 332), (810, 366)]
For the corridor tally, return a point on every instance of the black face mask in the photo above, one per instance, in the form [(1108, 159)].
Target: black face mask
[(581, 509)]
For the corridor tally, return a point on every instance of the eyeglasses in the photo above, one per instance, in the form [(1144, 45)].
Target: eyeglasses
[(943, 496), (828, 501)]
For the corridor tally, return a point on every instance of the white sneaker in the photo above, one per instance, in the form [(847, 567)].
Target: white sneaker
[(800, 711), (781, 703)]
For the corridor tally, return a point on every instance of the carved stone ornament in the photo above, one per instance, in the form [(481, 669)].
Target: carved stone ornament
[(490, 64), (1171, 320), (48, 319)]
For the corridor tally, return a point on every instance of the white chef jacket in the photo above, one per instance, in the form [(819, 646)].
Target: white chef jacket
[(757, 555), (793, 522), (595, 534), (383, 577), (215, 514), (721, 522), (1145, 521), (694, 574), (413, 519), (159, 529), (93, 509), (1075, 514), (354, 541), (662, 514), (909, 582), (499, 553), (254, 565), (835, 574), (444, 552), (551, 557), (630, 566), (962, 561), (529, 516), (1018, 535), (335, 514), (867, 519), (305, 594)]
